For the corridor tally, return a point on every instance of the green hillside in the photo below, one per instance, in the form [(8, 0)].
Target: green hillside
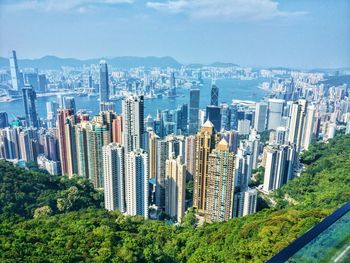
[(53, 219)]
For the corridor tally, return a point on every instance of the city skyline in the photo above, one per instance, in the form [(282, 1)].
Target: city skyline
[(268, 33)]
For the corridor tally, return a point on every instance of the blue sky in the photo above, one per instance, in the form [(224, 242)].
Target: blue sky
[(295, 33)]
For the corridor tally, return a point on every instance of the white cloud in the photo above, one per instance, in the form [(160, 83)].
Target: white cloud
[(80, 6), (246, 9)]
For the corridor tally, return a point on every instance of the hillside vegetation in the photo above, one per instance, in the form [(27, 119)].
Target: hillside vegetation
[(53, 219)]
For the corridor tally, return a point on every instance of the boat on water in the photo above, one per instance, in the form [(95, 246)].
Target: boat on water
[(8, 99)]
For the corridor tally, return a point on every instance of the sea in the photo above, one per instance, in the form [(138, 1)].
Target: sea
[(229, 89)]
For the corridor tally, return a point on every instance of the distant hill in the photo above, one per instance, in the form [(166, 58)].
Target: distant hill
[(53, 62), (126, 62), (223, 65)]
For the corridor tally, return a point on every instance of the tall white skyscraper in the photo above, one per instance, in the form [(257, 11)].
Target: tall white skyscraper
[(133, 122), (114, 176), (136, 183), (308, 132), (244, 163), (274, 113), (297, 121), (279, 168), (260, 116), (175, 188)]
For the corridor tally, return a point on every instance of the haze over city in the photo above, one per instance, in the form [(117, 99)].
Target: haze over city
[(301, 34)]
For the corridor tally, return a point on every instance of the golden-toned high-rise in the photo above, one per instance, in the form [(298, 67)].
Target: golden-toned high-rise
[(206, 140), (220, 183)]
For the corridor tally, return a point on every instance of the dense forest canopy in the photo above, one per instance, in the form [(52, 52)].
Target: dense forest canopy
[(47, 218)]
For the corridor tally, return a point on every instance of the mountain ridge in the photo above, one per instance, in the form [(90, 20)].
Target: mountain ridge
[(122, 62)]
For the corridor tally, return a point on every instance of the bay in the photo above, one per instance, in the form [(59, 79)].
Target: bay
[(229, 89)]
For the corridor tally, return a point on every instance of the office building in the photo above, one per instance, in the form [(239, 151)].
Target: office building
[(260, 116), (214, 95), (32, 79), (4, 121), (225, 112), (16, 78), (193, 111), (213, 113), (104, 84), (29, 98), (275, 110)]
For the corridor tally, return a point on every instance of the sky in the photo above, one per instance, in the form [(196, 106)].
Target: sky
[(287, 33)]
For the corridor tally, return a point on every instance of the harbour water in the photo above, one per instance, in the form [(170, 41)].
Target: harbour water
[(229, 89)]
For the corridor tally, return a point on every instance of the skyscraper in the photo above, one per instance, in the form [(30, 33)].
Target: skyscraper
[(275, 109), (214, 98), (193, 111), (175, 188), (206, 140), (172, 90), (133, 122), (104, 85), (213, 113), (9, 143), (260, 116), (162, 156), (62, 115), (4, 122), (117, 129), (17, 79), (114, 176), (136, 183), (225, 112), (29, 97), (297, 122), (98, 135), (71, 150), (220, 183), (279, 168), (82, 149), (153, 144), (182, 118), (51, 110), (308, 131), (190, 154)]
